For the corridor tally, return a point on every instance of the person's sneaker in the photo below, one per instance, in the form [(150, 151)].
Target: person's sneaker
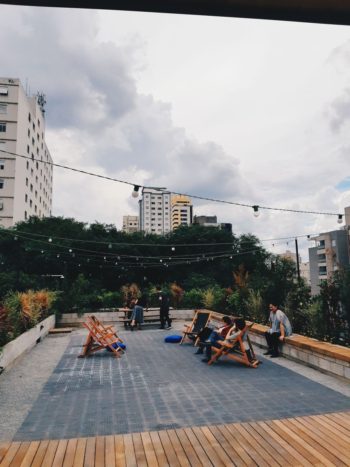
[(268, 352), (274, 355), (205, 360), (162, 328), (168, 327), (199, 352)]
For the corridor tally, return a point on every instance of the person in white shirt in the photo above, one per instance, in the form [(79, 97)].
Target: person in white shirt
[(280, 328)]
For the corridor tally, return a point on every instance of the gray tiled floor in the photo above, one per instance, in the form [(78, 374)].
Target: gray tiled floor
[(157, 385)]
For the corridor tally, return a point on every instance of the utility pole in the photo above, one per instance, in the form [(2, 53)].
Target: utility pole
[(297, 253)]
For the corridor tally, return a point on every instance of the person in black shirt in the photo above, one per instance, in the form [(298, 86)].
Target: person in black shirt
[(164, 306)]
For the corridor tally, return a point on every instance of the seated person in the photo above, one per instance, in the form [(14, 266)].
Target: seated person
[(280, 327), (210, 336), (137, 312), (231, 336)]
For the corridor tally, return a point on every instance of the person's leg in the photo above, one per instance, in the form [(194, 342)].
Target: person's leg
[(208, 351), (269, 343), (162, 319), (275, 344), (167, 319)]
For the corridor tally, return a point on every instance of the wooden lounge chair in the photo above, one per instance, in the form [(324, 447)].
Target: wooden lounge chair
[(237, 350), (200, 321), (100, 337)]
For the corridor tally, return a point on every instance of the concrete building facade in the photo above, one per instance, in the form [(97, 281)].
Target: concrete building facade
[(330, 254), (25, 184), (130, 224), (181, 211), (155, 211)]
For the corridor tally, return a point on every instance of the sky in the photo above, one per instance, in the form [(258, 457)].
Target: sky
[(249, 111)]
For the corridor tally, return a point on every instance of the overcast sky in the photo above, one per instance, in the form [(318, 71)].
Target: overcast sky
[(250, 111)]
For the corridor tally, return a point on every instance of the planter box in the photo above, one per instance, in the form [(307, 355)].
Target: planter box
[(25, 341)]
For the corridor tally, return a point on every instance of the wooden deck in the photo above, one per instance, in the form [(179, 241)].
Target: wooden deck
[(322, 440)]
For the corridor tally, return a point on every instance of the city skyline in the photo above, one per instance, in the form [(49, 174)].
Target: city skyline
[(243, 110)]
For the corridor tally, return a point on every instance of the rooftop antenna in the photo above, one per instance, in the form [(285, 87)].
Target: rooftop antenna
[(41, 100)]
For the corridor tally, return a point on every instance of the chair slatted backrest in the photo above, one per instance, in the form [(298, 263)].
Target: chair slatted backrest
[(101, 328), (201, 320), (99, 337)]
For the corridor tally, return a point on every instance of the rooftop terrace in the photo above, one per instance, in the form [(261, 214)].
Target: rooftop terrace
[(188, 413)]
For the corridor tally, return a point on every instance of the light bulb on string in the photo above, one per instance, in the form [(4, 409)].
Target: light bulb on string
[(135, 192), (172, 248), (70, 250), (340, 219), (256, 212), (50, 239), (110, 246)]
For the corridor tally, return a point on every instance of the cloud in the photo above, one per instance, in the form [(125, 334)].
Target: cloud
[(263, 148)]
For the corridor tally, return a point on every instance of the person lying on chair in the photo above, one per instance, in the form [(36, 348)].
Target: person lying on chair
[(233, 333), (208, 335)]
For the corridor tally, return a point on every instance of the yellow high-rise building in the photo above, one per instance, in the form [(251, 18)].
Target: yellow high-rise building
[(181, 211)]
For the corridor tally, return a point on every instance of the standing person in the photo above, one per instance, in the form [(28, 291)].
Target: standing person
[(164, 305), (280, 327)]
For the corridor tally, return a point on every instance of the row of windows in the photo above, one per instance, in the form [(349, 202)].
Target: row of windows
[(30, 119)]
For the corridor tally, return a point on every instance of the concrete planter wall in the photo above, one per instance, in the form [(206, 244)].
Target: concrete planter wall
[(25, 341), (72, 319)]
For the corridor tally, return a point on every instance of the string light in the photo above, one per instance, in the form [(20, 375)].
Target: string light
[(137, 187), (256, 212)]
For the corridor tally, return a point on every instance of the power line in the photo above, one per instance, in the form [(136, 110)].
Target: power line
[(255, 207)]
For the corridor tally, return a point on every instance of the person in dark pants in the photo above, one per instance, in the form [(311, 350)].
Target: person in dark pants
[(164, 306), (208, 335), (280, 327), (137, 313)]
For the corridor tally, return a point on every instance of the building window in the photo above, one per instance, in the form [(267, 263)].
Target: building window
[(26, 181), (30, 203), (35, 208), (31, 172), (25, 215), (27, 165), (29, 117), (33, 126), (2, 127), (3, 108), (1, 183), (37, 165), (31, 187), (4, 91), (334, 242), (2, 165), (26, 198), (38, 123), (32, 156), (28, 133)]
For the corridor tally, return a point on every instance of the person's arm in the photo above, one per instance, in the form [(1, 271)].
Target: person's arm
[(283, 333)]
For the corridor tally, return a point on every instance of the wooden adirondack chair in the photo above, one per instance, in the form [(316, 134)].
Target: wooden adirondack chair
[(200, 321), (237, 350), (100, 337)]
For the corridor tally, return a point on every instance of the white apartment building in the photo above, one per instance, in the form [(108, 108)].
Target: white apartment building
[(25, 184), (181, 211), (155, 211), (130, 224)]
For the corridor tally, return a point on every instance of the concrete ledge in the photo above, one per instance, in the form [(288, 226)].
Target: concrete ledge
[(324, 356), (72, 319), (25, 341)]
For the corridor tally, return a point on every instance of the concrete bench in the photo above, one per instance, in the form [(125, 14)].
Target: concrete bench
[(323, 356)]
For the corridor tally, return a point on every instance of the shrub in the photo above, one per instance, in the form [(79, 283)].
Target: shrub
[(192, 298)]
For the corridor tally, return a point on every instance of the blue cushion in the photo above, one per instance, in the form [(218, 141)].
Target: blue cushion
[(115, 345), (173, 339)]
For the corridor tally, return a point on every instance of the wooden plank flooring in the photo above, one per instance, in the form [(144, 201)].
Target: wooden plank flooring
[(322, 440)]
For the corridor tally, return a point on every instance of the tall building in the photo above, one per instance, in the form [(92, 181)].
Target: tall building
[(155, 211), (212, 221), (330, 254), (130, 224), (181, 211), (25, 184)]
